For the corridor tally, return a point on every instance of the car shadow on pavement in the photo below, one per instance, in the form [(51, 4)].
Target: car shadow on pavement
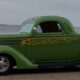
[(40, 71)]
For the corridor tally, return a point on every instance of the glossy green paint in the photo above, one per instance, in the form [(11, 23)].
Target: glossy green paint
[(42, 47), (22, 61)]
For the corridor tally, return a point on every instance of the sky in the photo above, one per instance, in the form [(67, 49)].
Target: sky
[(14, 12)]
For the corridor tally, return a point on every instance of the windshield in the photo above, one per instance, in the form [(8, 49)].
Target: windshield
[(26, 28)]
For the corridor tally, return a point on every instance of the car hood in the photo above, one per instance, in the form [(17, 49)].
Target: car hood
[(12, 35)]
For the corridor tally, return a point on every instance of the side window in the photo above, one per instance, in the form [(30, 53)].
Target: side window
[(38, 29), (48, 27)]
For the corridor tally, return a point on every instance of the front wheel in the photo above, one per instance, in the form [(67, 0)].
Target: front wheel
[(5, 65)]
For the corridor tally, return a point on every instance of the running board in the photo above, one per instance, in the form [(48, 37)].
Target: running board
[(46, 65)]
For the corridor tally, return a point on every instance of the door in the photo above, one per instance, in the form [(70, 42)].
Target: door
[(51, 44)]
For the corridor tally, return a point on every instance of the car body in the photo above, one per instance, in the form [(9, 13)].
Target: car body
[(41, 42)]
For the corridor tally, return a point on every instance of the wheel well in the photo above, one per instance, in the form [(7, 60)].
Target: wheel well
[(10, 57)]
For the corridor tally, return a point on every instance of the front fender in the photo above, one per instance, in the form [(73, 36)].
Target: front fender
[(22, 61)]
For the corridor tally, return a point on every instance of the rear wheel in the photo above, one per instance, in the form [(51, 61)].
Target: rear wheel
[(5, 64)]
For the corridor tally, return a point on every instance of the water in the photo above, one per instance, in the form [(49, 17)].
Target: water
[(8, 28)]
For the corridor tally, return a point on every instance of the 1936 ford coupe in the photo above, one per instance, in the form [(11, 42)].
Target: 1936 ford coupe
[(41, 42)]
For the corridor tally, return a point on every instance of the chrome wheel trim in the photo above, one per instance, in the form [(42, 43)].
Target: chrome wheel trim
[(4, 63)]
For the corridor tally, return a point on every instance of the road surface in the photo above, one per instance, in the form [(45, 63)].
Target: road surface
[(53, 74)]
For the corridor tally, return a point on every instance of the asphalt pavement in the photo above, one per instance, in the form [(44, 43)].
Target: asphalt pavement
[(48, 74)]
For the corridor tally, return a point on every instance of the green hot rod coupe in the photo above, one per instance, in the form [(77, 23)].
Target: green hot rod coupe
[(41, 42)]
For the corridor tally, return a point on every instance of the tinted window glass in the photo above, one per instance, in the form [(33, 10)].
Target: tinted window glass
[(49, 26)]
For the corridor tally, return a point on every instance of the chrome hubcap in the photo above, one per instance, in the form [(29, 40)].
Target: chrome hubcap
[(4, 63)]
